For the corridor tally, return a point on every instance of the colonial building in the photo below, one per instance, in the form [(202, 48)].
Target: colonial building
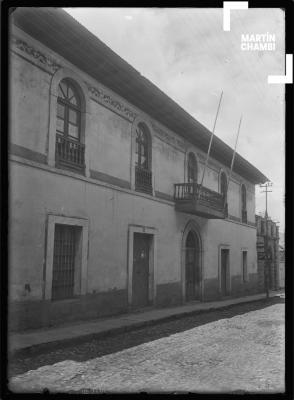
[(269, 234), (106, 210)]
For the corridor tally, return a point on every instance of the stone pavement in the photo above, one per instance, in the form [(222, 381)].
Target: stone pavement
[(86, 330), (242, 353)]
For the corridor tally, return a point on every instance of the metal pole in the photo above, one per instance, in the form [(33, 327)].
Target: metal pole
[(233, 158), (266, 250), (210, 142)]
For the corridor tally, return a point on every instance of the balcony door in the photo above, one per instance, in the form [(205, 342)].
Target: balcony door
[(192, 267), (192, 168), (143, 174)]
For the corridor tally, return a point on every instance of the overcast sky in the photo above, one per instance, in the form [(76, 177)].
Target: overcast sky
[(186, 53)]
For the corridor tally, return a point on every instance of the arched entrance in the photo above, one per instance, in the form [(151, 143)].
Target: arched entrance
[(192, 267)]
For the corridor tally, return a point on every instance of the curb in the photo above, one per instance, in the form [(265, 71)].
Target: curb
[(57, 344)]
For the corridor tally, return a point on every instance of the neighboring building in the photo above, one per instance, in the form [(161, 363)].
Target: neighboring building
[(272, 233), (282, 267), (104, 216)]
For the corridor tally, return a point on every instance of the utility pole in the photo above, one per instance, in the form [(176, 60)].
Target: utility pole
[(277, 256), (266, 250)]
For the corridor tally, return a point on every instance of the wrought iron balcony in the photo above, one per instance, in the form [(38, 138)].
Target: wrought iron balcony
[(69, 153), (143, 180), (204, 202)]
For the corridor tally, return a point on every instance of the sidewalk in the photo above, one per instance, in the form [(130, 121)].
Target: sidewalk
[(86, 330)]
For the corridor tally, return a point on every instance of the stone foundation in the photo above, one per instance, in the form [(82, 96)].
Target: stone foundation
[(169, 294), (39, 314)]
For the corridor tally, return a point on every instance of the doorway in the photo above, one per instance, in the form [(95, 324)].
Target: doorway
[(225, 272), (192, 267), (141, 261)]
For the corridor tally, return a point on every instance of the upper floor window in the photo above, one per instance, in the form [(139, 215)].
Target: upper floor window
[(223, 185), (244, 203), (223, 190), (69, 149), (192, 168), (142, 147), (143, 173), (68, 111)]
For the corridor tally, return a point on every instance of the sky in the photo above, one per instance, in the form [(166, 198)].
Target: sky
[(188, 55)]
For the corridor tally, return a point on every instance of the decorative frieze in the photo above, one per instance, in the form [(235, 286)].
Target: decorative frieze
[(38, 56), (99, 95), (168, 138)]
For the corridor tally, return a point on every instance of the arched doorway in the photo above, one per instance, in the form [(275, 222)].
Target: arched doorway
[(192, 267)]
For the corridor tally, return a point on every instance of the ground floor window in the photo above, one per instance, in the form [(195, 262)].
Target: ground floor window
[(65, 261), (66, 257)]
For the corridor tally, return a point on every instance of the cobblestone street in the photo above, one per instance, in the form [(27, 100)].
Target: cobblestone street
[(244, 352)]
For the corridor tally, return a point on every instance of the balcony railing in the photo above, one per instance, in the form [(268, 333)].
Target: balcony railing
[(69, 153), (196, 199), (143, 180)]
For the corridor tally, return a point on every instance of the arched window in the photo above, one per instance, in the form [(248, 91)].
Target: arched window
[(69, 149), (68, 111), (143, 173), (142, 148), (244, 203), (192, 168), (224, 190), (223, 185)]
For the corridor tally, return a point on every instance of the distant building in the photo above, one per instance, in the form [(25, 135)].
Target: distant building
[(106, 211), (282, 267), (272, 233)]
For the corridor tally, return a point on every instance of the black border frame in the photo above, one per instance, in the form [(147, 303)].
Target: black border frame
[(6, 8)]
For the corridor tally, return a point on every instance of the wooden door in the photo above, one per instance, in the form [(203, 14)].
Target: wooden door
[(192, 268), (224, 271), (140, 295)]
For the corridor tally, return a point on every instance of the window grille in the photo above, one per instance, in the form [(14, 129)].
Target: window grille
[(69, 152), (143, 180), (64, 262)]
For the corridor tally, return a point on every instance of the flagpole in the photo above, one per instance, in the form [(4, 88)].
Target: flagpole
[(210, 142), (233, 158)]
